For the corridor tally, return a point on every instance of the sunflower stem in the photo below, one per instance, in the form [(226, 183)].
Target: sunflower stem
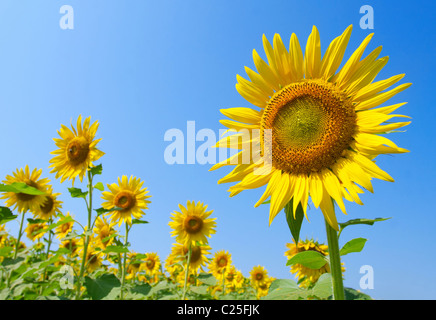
[(187, 270), (20, 233), (123, 272), (85, 246), (335, 262)]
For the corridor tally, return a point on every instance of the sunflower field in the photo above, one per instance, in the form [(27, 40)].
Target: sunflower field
[(326, 130)]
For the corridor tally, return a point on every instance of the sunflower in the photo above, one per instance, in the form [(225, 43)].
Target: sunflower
[(51, 207), (104, 232), (219, 264), (133, 264), (192, 223), (258, 276), (35, 231), (307, 276), (65, 228), (77, 150), (317, 129), (151, 264), (94, 255), (198, 259), (26, 202), (128, 198), (173, 266), (72, 245)]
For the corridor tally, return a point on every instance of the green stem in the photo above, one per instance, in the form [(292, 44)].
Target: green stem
[(335, 262), (20, 233), (123, 272), (85, 246), (187, 270)]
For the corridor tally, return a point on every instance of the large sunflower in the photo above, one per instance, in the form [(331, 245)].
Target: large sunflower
[(77, 150), (192, 223), (128, 198), (318, 129), (26, 202), (51, 206)]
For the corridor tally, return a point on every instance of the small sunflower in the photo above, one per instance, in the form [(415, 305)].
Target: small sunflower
[(51, 207), (133, 264), (35, 231), (94, 255), (104, 232), (128, 198), (192, 223), (26, 202), (199, 254), (64, 229), (72, 245), (307, 276), (173, 266), (219, 263), (77, 150), (151, 264), (317, 129), (230, 276), (258, 276)]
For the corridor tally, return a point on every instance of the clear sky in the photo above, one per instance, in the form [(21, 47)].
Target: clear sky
[(143, 67)]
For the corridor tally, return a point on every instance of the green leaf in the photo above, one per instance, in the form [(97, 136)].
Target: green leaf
[(361, 221), (34, 221), (323, 287), (351, 294), (6, 215), (4, 251), (116, 249), (60, 222), (284, 289), (207, 278), (96, 170), (78, 193), (100, 287), (355, 245), (294, 223), (20, 187), (309, 259), (99, 186), (137, 221)]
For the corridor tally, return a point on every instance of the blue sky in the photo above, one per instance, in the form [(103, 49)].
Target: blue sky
[(143, 67)]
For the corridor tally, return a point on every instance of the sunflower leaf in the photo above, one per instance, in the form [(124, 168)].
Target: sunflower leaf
[(309, 259), (294, 223), (99, 186), (116, 249), (361, 221), (6, 215), (78, 193), (355, 245), (96, 170), (137, 221), (100, 287), (20, 187)]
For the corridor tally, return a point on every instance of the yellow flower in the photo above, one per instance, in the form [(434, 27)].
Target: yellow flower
[(128, 198), (77, 150), (219, 264), (104, 232), (192, 223), (72, 245), (318, 129), (151, 264), (94, 259), (133, 264), (51, 206), (199, 252), (35, 231), (258, 276), (173, 266), (64, 229), (26, 202), (307, 276)]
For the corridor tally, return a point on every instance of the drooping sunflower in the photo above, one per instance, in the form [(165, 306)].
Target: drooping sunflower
[(317, 130), (307, 276), (77, 150), (128, 198), (192, 223), (258, 276), (220, 262), (199, 252), (26, 202), (51, 207), (104, 232)]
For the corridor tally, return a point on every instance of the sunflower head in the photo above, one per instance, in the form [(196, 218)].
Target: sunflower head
[(221, 261), (65, 228), (318, 125), (51, 206), (35, 231), (26, 202), (77, 150), (192, 224), (307, 276), (151, 264), (198, 259), (128, 198), (258, 276), (104, 232)]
